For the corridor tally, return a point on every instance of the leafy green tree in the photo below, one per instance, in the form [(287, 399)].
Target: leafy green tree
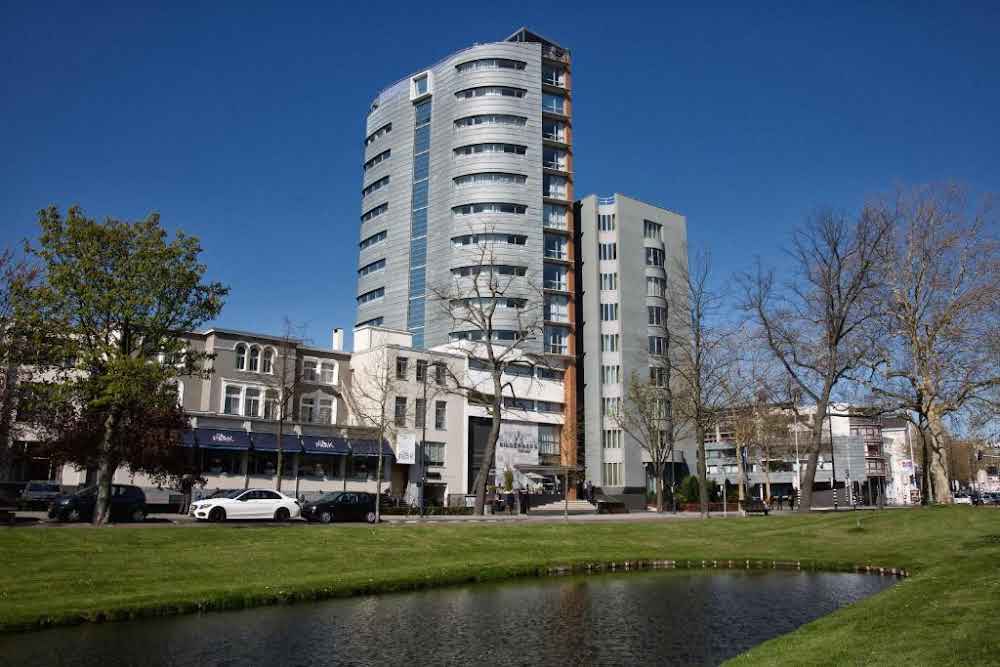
[(116, 298)]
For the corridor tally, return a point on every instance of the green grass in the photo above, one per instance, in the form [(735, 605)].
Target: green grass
[(947, 612)]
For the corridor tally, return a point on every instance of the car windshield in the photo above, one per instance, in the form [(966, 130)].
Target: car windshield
[(330, 497), (89, 491), (231, 493)]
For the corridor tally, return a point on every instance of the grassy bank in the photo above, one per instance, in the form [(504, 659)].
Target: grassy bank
[(946, 613)]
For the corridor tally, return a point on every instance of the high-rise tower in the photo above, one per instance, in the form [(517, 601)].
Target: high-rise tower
[(474, 151)]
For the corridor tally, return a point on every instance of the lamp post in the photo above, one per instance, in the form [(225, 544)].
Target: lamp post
[(423, 447), (725, 508)]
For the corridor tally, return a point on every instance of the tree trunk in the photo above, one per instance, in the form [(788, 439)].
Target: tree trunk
[(281, 459), (658, 485), (806, 483), (702, 471), (105, 473), (479, 486), (939, 460)]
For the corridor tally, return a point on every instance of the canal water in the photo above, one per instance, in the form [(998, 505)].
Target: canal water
[(682, 617)]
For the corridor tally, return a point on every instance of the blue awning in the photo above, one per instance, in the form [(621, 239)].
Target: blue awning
[(187, 438), (370, 448), (210, 438), (314, 444), (268, 442)]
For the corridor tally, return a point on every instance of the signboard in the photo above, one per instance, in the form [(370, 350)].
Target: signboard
[(406, 449), (517, 445)]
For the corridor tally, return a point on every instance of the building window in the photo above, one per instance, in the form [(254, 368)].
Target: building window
[(554, 76), (420, 86), (652, 230), (381, 157), (606, 222), (495, 208), (555, 340), (609, 342), (491, 119), (554, 130), (554, 216), (657, 345), (231, 404), (490, 178), (372, 267), (373, 322), (612, 474), (490, 270), (657, 376), (609, 312), (328, 372), (553, 103), (307, 410), (654, 257), (378, 134), (608, 251), (490, 91), (611, 374), (309, 370), (419, 413), (241, 356), (657, 315), (372, 240), (434, 453), (555, 246), (251, 402), (375, 187), (440, 415), (555, 277), (656, 287), (439, 374), (555, 186), (488, 238), (485, 64), (474, 149), (555, 158), (610, 406), (373, 295), (254, 365), (326, 412), (401, 363), (421, 370), (609, 281), (374, 212), (267, 361), (611, 438), (270, 404), (556, 308), (400, 411)]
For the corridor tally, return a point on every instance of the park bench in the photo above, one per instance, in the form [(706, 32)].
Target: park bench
[(755, 506)]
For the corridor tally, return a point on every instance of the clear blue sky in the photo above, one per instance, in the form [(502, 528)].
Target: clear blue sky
[(244, 126)]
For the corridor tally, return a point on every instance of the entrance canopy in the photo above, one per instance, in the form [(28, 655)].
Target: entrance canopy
[(211, 438), (268, 442), (324, 445)]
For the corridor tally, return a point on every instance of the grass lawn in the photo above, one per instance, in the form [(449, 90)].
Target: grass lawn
[(947, 612)]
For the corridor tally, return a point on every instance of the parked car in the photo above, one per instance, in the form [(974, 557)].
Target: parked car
[(341, 506), (128, 503), (38, 494), (962, 499), (246, 504)]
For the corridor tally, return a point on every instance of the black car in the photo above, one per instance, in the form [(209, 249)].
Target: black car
[(128, 503), (341, 506)]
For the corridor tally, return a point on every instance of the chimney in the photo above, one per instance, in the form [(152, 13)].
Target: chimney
[(338, 339)]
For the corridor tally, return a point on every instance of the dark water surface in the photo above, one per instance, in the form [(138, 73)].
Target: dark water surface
[(684, 617)]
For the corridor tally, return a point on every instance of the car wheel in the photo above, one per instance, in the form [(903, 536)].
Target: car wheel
[(217, 514), (282, 515), (138, 515), (73, 515), (325, 517), (370, 517)]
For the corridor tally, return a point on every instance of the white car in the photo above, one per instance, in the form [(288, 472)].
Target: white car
[(246, 504), (962, 499)]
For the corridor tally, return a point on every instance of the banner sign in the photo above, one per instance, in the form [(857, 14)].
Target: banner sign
[(406, 448), (517, 445)]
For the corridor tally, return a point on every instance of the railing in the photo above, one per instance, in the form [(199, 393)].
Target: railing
[(554, 224), (556, 254), (554, 137), (554, 165), (555, 349), (555, 53), (556, 285)]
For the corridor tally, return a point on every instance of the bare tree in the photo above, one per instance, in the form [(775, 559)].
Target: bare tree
[(495, 310), (940, 307), (645, 416), (288, 376), (702, 358), (816, 324), (371, 397)]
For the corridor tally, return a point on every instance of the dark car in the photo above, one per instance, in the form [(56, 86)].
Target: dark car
[(128, 503), (341, 506), (38, 494)]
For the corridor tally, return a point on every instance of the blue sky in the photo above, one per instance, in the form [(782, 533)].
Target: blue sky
[(243, 124)]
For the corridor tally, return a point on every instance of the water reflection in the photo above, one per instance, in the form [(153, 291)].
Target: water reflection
[(683, 618)]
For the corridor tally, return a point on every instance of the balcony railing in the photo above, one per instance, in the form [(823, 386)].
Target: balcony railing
[(553, 223), (554, 136), (555, 53), (557, 285), (556, 254), (558, 166)]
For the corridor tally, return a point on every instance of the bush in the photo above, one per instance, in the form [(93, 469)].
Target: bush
[(688, 491)]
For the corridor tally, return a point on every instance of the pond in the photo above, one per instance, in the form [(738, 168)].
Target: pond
[(681, 617)]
